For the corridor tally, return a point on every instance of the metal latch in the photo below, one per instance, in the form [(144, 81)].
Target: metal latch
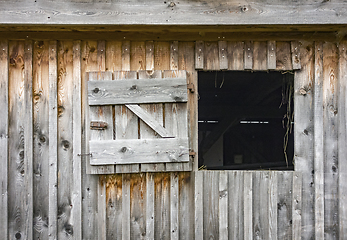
[(192, 153), (98, 125), (190, 86)]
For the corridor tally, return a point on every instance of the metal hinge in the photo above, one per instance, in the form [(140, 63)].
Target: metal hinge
[(192, 153), (84, 154), (98, 125), (191, 88)]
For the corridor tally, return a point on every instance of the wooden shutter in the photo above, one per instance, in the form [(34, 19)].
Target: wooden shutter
[(117, 106)]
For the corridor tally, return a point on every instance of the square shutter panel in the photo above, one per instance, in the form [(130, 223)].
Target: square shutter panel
[(165, 146)]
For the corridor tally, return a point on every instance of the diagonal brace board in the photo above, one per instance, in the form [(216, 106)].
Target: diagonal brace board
[(132, 151), (134, 91), (149, 120)]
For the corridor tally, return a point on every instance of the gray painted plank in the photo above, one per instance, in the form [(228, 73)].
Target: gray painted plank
[(235, 188), (137, 91), (248, 205), (248, 55), (198, 204), (297, 206), (342, 138), (150, 194), (319, 142), (4, 138), (53, 142), (199, 54), (223, 205), (235, 55), (174, 206), (271, 55), (223, 55)]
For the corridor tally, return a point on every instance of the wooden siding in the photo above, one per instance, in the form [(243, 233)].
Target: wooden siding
[(46, 193)]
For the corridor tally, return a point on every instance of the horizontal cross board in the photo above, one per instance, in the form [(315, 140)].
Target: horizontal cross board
[(132, 151), (131, 91)]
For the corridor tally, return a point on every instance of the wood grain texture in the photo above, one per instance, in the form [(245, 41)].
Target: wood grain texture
[(295, 51), (149, 55), (297, 206), (211, 56), (186, 206), (223, 55), (138, 206), (235, 205), (248, 55), (150, 195), (283, 56), (260, 55), (284, 213), (199, 55), (198, 202), (4, 126), (235, 55), (113, 56), (114, 213), (162, 206), (137, 56), (174, 206), (126, 197), (174, 55), (210, 204), (247, 205), (271, 55), (223, 206)]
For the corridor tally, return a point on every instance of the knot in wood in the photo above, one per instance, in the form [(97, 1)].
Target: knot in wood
[(302, 91), (123, 149), (133, 87), (96, 90), (172, 4), (244, 9)]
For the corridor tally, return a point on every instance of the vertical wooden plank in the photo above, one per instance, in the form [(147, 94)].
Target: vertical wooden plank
[(248, 55), (28, 139), (126, 56), (330, 118), (303, 135), (295, 51), (41, 136), (174, 55), (259, 56), (4, 138), (174, 203), (283, 56), (137, 56), (297, 206), (235, 55), (223, 205), (285, 199), (53, 142), (198, 205), (186, 206), (150, 55), (138, 206), (273, 200), (342, 138), (114, 214), (101, 218), (199, 55), (271, 55), (211, 57), (126, 206), (247, 205), (235, 189), (318, 142), (260, 205), (161, 56), (150, 194), (113, 56), (162, 206), (210, 203), (223, 55)]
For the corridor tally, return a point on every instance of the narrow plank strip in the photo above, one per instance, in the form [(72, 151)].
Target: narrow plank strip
[(162, 206), (295, 51), (161, 55), (235, 55), (259, 56), (114, 214), (235, 205), (174, 55), (138, 206), (199, 55), (223, 55), (174, 204), (273, 204), (271, 55), (150, 194), (186, 205), (113, 56), (126, 206), (247, 207), (198, 205), (342, 138), (149, 55), (248, 55), (211, 57), (223, 206), (137, 56), (297, 206), (101, 218), (260, 205), (285, 201), (4, 138), (53, 141), (126, 56), (149, 120), (28, 139), (210, 204), (283, 56), (318, 142)]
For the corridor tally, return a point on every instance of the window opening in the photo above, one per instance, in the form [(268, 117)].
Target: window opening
[(246, 120)]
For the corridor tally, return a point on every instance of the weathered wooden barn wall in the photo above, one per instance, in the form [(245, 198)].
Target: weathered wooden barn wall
[(42, 177)]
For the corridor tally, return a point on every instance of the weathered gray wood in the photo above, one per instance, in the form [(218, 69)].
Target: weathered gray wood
[(342, 140), (162, 206), (137, 56), (101, 218), (126, 56), (235, 55), (303, 136), (223, 205), (149, 56), (113, 56), (330, 118), (271, 55), (198, 203), (285, 201), (150, 194), (210, 204), (114, 214), (247, 205), (126, 206), (259, 55), (186, 206), (295, 51), (199, 54), (248, 55), (297, 206), (132, 151), (149, 120), (174, 206), (235, 206), (223, 55), (174, 55), (4, 138), (53, 141), (138, 206), (283, 56), (273, 201), (260, 205), (137, 91), (318, 142), (211, 56)]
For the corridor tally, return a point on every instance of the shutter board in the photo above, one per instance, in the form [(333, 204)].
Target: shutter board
[(131, 151), (131, 91)]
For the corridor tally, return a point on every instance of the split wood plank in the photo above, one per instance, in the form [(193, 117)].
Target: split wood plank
[(271, 55), (137, 56), (126, 198), (259, 56), (223, 205), (330, 121), (235, 205), (149, 55), (76, 198), (318, 142), (297, 206), (283, 56), (174, 206), (285, 201), (295, 52), (199, 55), (138, 206), (211, 56), (4, 125), (248, 55), (53, 141), (223, 55), (235, 55), (342, 139), (210, 205), (198, 204), (303, 136), (41, 136), (150, 195), (247, 205), (126, 123), (156, 110)]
